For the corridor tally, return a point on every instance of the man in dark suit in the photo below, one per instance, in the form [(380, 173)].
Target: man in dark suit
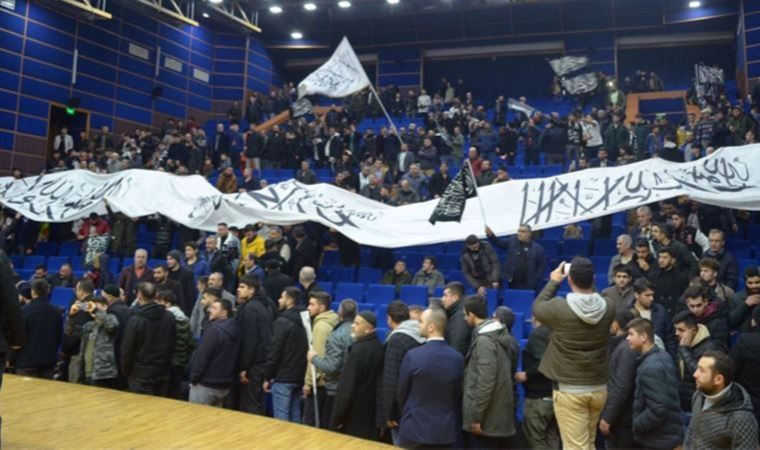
[(524, 265), (430, 387), (601, 160), (306, 175)]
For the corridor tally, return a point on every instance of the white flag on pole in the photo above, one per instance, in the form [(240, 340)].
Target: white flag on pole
[(341, 76), (566, 64)]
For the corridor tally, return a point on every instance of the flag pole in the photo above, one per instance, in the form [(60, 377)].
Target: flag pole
[(387, 116), (477, 192)]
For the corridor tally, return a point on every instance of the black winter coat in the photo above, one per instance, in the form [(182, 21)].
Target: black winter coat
[(286, 362), (123, 313), (354, 409), (276, 283), (255, 322), (746, 357), (213, 363), (149, 340), (186, 282), (669, 286), (395, 349), (656, 409), (458, 333), (620, 385), (11, 321), (43, 324), (537, 385)]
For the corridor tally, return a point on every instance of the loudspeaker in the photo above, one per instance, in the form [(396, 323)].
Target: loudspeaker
[(158, 91)]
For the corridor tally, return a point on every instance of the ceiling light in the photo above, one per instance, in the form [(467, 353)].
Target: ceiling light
[(695, 4), (205, 15), (344, 4), (309, 6), (274, 9), (393, 2), (296, 35), (216, 2)]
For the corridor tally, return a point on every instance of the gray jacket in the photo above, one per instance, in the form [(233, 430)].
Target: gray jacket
[(488, 390), (103, 330), (487, 266), (331, 365), (728, 423), (432, 280)]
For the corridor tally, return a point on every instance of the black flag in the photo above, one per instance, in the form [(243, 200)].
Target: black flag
[(451, 206)]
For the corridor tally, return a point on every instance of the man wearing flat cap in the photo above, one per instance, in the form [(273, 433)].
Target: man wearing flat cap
[(354, 408)]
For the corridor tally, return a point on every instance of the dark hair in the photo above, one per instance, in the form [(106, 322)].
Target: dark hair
[(214, 292), (292, 293), (398, 311), (225, 304), (203, 279), (695, 291), (100, 300), (322, 298), (505, 316), (665, 228), (686, 318), (250, 280), (751, 272), (642, 243), (166, 296), (642, 285), (624, 317), (147, 290), (431, 259), (723, 365), (582, 272), (477, 305), (710, 263), (221, 224), (642, 326), (41, 266), (86, 285), (348, 309), (41, 287), (621, 268), (680, 212), (161, 266), (192, 245), (456, 288), (668, 250)]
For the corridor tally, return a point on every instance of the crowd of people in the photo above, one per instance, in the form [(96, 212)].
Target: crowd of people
[(667, 355)]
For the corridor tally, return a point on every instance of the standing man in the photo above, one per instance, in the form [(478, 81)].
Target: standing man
[(286, 363), (137, 273), (324, 321), (662, 238), (184, 277), (711, 314), (744, 354), (480, 265), (576, 358), (708, 272), (430, 387), (254, 319), (488, 409), (75, 321), (458, 331), (525, 262), (669, 281), (644, 295), (620, 292), (404, 336), (331, 364), (164, 283), (745, 301), (728, 267), (721, 416), (12, 333), (183, 348), (44, 331), (212, 368), (656, 411), (625, 255), (355, 403), (693, 342), (149, 341)]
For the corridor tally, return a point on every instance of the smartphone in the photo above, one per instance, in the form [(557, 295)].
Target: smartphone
[(566, 268)]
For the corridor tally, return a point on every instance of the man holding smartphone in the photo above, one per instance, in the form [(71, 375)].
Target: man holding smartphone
[(576, 357)]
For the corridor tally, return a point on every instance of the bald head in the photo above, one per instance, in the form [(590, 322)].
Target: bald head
[(433, 323)]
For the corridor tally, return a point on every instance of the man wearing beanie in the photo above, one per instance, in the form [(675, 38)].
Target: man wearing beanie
[(355, 409), (185, 279), (576, 357), (118, 308)]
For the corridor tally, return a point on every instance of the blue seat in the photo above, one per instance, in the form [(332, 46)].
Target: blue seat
[(742, 253), (551, 246), (61, 297), (70, 249), (330, 258), (445, 262), (601, 263), (32, 261), (492, 299), (46, 248), (432, 249), (369, 307), (77, 264), (605, 247), (353, 291), (572, 248), (553, 233), (114, 265), (25, 274), (152, 263), (521, 301), (414, 295), (456, 275), (369, 275), (380, 294), (55, 262), (601, 281), (343, 274), (413, 260), (518, 329), (455, 248)]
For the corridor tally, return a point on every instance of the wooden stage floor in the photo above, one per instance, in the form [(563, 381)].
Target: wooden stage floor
[(41, 414)]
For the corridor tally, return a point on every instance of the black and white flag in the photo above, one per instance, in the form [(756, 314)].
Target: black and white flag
[(581, 84), (708, 82), (301, 107), (567, 64), (450, 207), (341, 76), (522, 107)]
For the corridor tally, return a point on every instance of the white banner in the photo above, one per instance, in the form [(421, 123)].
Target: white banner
[(341, 76), (722, 179), (522, 107), (581, 84), (566, 64)]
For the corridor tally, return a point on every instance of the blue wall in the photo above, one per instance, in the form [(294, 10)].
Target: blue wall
[(752, 40), (36, 55)]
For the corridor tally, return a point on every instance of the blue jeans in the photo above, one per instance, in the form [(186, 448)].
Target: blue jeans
[(286, 401)]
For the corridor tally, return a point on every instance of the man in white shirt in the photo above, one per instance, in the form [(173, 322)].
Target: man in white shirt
[(63, 142)]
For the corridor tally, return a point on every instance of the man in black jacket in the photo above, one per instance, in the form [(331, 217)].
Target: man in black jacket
[(669, 282), (693, 341), (116, 306), (213, 364), (710, 314), (286, 363), (163, 282), (355, 409), (662, 237), (457, 331), (656, 411), (276, 281), (539, 424), (44, 330), (149, 340), (616, 420), (305, 253), (404, 336), (184, 277), (255, 321), (746, 357), (728, 267), (12, 334)]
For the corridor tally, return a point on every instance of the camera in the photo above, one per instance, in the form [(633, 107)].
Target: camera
[(566, 268)]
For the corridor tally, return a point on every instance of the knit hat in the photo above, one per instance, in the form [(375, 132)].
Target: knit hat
[(112, 290), (175, 254), (369, 316), (472, 240)]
